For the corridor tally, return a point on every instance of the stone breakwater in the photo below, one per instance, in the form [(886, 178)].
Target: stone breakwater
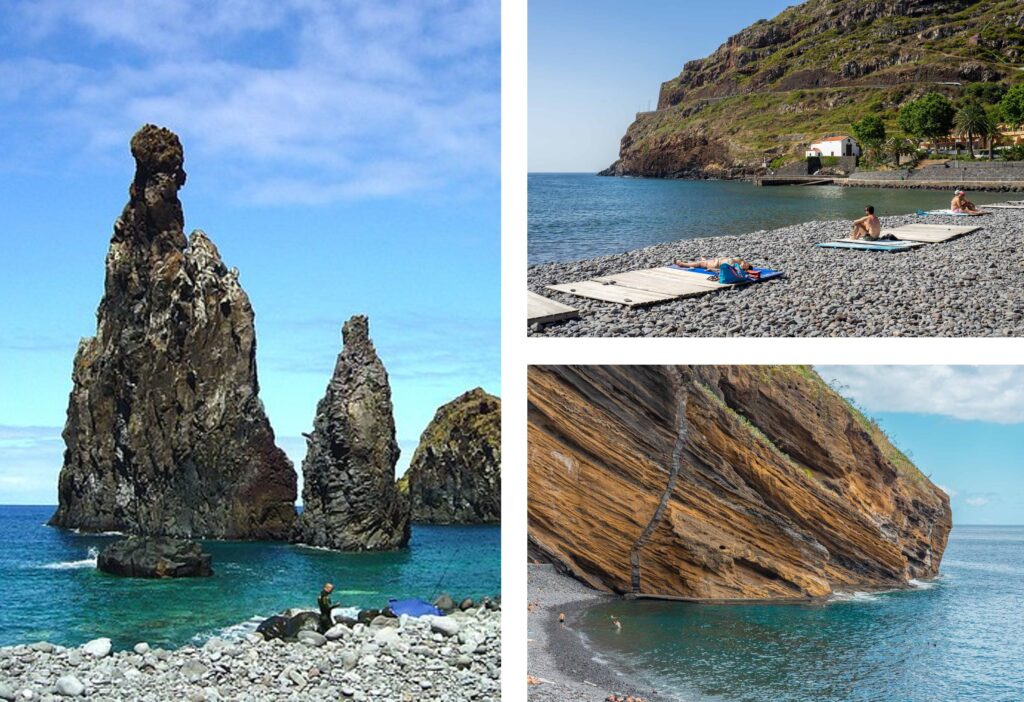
[(970, 286), (455, 657)]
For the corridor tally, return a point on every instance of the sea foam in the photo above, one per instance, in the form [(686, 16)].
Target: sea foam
[(89, 562)]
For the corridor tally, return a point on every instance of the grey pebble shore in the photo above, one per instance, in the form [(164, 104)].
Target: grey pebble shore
[(967, 287), (456, 657), (562, 667)]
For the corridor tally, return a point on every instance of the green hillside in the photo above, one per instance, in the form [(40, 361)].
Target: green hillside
[(813, 70)]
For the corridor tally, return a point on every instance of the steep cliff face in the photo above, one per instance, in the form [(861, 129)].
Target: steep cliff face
[(455, 474), (349, 498), (814, 69), (165, 433), (724, 482)]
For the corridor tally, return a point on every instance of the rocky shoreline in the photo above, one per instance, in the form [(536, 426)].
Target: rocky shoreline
[(970, 286), (560, 667), (454, 657)]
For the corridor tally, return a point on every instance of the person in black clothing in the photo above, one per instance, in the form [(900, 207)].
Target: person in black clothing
[(324, 602)]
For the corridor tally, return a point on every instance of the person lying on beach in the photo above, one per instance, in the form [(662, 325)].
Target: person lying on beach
[(324, 602), (961, 204), (867, 227), (712, 264)]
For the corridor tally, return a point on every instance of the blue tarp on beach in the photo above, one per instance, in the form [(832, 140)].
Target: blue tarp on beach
[(413, 608), (766, 273), (870, 246)]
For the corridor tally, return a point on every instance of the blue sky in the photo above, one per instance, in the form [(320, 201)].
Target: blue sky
[(593, 64), (344, 156), (963, 426)]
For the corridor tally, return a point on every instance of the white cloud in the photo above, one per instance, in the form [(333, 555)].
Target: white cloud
[(352, 100), (949, 491), (981, 393), (976, 501)]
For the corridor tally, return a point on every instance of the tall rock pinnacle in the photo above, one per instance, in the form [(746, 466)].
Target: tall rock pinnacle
[(165, 433), (455, 474), (349, 498)]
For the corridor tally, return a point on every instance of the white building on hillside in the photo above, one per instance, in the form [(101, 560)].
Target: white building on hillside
[(841, 145)]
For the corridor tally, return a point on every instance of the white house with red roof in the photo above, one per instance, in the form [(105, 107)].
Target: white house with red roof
[(839, 145)]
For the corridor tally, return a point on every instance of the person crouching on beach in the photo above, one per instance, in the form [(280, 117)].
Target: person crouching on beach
[(868, 226), (960, 203), (324, 602)]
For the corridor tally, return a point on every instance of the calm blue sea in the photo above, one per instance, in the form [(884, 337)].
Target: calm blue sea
[(578, 215), (50, 588), (960, 637)]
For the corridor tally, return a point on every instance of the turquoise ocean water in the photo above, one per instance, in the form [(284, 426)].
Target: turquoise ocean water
[(50, 589), (578, 215), (959, 637)]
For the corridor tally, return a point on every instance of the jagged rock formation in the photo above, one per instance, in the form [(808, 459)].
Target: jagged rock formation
[(724, 482), (455, 474), (165, 432), (349, 498), (155, 557), (780, 84)]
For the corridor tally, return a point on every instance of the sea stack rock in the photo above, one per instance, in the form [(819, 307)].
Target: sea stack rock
[(165, 432), (721, 482), (455, 474), (349, 498), (155, 557)]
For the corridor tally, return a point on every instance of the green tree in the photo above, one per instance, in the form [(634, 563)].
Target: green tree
[(987, 93), (971, 121), (1012, 105), (870, 132), (898, 147), (995, 117), (929, 117)]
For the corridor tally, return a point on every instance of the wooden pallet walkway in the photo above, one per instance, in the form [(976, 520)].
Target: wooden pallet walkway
[(541, 310)]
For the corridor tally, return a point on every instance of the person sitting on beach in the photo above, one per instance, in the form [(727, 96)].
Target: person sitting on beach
[(868, 226), (961, 204), (324, 602)]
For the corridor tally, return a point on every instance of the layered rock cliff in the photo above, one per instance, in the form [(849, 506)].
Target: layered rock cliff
[(455, 474), (721, 482), (780, 84), (350, 501), (165, 432)]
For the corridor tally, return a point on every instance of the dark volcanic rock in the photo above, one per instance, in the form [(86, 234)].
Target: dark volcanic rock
[(154, 557), (350, 501), (165, 432), (455, 474), (288, 628)]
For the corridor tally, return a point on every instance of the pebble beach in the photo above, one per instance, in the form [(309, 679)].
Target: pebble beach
[(559, 665), (971, 286), (455, 657)]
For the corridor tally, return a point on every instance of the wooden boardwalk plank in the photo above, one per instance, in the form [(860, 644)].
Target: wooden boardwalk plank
[(631, 297), (541, 310), (665, 280)]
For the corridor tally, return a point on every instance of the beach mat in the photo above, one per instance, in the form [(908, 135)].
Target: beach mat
[(1005, 207), (891, 246), (951, 213), (413, 608), (766, 273), (929, 233)]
